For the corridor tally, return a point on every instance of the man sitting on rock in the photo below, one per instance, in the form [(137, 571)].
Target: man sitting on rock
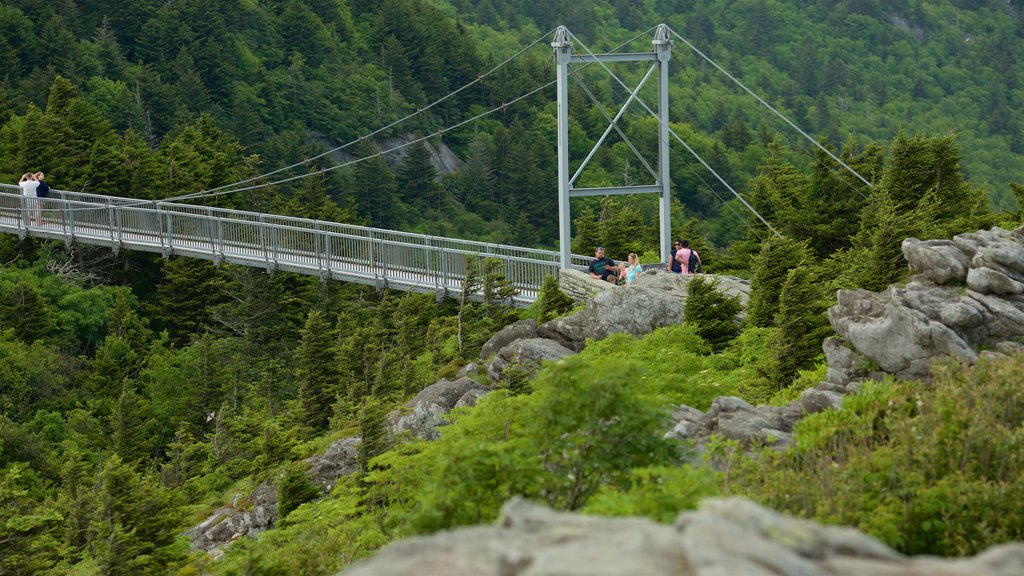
[(603, 268)]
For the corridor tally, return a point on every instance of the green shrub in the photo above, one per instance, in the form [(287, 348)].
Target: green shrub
[(659, 493), (934, 469)]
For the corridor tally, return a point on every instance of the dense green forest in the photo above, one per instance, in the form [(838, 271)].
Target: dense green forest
[(138, 394)]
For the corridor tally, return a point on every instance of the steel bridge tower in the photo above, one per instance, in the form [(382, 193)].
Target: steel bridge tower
[(660, 55)]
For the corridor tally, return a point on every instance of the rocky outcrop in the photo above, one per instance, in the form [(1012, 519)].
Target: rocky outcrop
[(724, 537), (257, 512), (526, 355), (507, 335), (753, 426), (656, 300), (422, 415), (967, 294)]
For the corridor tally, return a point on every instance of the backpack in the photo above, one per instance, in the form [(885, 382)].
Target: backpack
[(693, 265)]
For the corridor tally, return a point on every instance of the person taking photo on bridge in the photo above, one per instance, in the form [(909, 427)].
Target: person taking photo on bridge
[(29, 185), (603, 267)]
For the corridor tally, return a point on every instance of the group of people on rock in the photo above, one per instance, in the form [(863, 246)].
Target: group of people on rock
[(684, 260), (34, 187)]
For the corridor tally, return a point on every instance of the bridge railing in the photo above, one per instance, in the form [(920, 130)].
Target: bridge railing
[(296, 244)]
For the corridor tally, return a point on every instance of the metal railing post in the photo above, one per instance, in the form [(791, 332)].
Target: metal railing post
[(110, 224), (160, 229), (263, 242)]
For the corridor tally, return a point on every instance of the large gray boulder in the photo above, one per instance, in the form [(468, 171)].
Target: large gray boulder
[(526, 355), (937, 260), (724, 537), (752, 426), (422, 415), (901, 340), (340, 459), (507, 335), (656, 300), (904, 329)]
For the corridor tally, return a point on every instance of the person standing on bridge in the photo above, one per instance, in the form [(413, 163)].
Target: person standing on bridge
[(29, 184), (603, 267), (41, 193)]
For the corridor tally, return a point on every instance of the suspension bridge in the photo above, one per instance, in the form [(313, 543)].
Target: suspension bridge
[(373, 256)]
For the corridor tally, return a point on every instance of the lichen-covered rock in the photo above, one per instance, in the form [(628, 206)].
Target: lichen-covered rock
[(507, 335), (724, 537), (901, 340), (527, 355), (338, 460), (937, 260), (656, 300)]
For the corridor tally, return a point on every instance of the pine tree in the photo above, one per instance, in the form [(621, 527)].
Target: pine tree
[(317, 370), (551, 301), (771, 267), (294, 488), (373, 431), (135, 523), (497, 290), (802, 326), (472, 281), (378, 197), (417, 179), (186, 294), (712, 313)]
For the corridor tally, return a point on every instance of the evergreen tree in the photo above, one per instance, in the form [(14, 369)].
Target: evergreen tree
[(317, 370), (294, 488), (712, 313), (417, 179), (771, 268), (135, 523), (378, 197), (29, 531), (802, 326), (373, 431), (472, 281), (551, 301), (497, 290)]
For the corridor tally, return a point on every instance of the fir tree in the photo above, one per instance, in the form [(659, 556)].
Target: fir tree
[(317, 370), (417, 179), (135, 522), (497, 290), (472, 280), (551, 301), (802, 326), (778, 256), (294, 488), (712, 313), (373, 431)]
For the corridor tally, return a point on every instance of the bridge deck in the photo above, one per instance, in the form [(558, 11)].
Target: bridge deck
[(373, 256)]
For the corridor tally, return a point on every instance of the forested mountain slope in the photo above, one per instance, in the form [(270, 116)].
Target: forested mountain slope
[(138, 394), (264, 83)]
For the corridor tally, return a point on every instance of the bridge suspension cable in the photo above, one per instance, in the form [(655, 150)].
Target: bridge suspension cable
[(772, 108), (222, 190), (419, 111), (210, 194), (629, 143), (678, 138)]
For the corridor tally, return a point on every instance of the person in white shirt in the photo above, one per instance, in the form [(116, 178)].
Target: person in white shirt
[(29, 184)]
